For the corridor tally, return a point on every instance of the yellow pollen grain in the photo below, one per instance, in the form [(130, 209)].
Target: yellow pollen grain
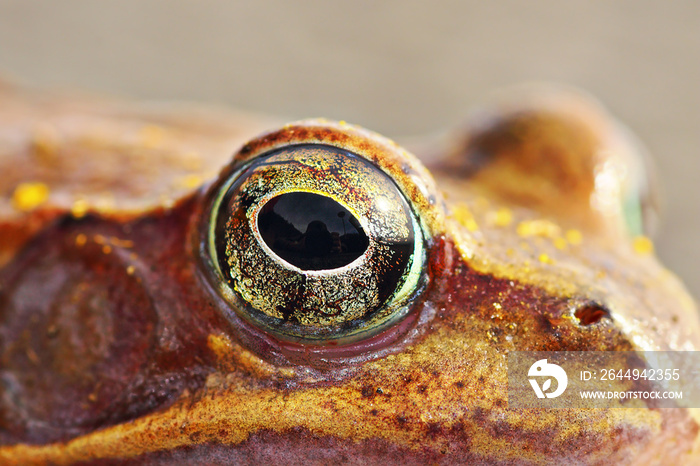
[(130, 270), (190, 181), (503, 217), (343, 123), (80, 239), (497, 306), (642, 245), (29, 196), (544, 228), (79, 208), (574, 237), (559, 242), (545, 259), (106, 249), (464, 216)]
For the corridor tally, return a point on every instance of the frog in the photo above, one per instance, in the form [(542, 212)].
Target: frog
[(191, 284)]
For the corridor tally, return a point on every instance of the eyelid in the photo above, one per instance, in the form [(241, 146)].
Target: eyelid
[(409, 174)]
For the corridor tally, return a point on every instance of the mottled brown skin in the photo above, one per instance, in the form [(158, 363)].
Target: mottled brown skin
[(115, 348)]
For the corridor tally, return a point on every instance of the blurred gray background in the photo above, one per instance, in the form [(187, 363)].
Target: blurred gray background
[(398, 67)]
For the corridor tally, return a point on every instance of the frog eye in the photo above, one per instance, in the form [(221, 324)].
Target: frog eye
[(314, 243)]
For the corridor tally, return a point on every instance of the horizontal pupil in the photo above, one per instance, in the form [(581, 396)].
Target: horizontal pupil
[(311, 231)]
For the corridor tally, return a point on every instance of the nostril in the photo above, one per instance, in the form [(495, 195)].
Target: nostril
[(590, 313)]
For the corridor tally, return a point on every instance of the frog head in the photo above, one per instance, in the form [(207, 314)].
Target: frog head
[(327, 297)]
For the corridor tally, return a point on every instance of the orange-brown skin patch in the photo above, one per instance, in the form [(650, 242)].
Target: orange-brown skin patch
[(505, 273)]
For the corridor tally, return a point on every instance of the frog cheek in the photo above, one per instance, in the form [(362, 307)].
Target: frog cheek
[(82, 327), (315, 244)]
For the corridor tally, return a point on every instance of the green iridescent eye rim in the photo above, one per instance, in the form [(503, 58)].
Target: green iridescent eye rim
[(394, 309)]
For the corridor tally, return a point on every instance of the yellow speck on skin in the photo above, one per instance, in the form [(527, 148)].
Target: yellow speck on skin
[(497, 305), (79, 208), (80, 239), (130, 270), (502, 217), (574, 237), (29, 196), (642, 245), (190, 181), (545, 259), (106, 249), (542, 227), (343, 123), (559, 242), (464, 216)]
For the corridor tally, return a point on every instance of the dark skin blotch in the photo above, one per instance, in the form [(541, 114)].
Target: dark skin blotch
[(367, 391)]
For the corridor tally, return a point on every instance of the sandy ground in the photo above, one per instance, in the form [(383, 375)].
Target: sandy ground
[(399, 67)]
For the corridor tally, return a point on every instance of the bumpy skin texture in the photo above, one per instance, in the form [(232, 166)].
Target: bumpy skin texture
[(116, 347)]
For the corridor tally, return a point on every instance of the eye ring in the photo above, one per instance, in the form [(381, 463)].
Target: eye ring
[(345, 302)]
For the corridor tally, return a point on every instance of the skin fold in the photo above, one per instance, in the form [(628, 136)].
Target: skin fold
[(119, 344)]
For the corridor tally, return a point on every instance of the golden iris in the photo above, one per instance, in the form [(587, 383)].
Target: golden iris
[(315, 243)]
